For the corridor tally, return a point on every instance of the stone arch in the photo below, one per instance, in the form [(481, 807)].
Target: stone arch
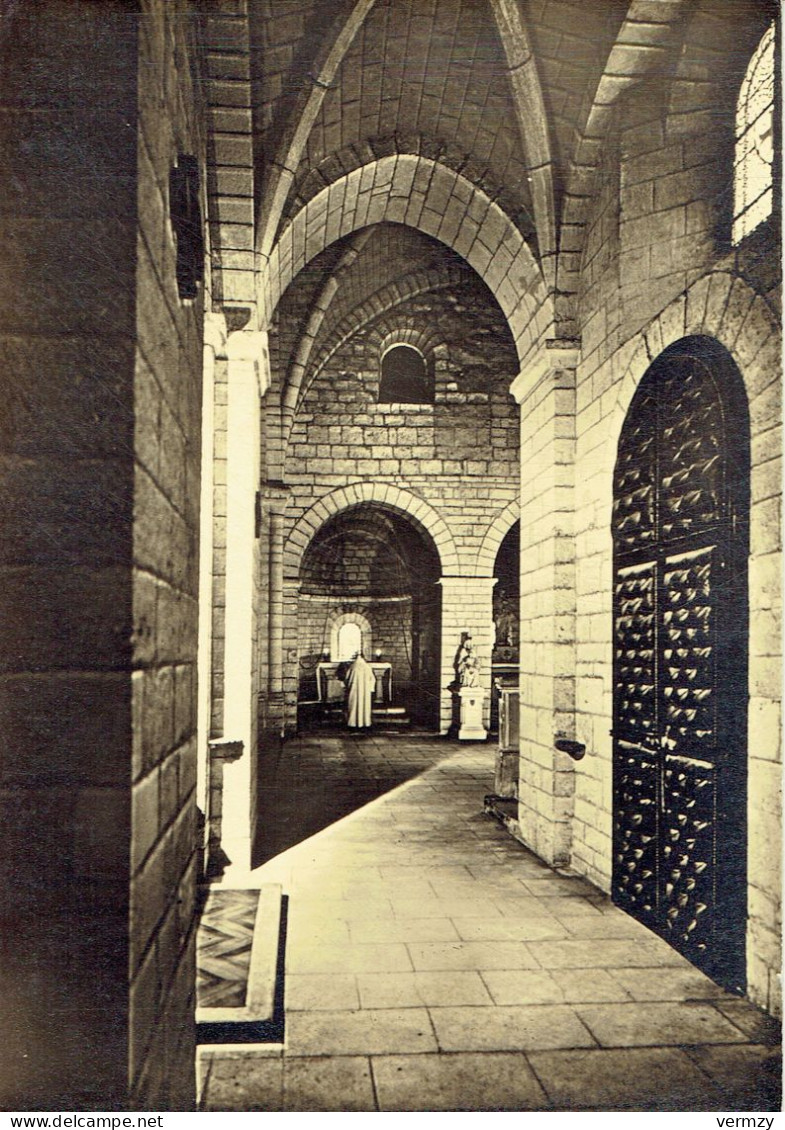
[(387, 299), (494, 536), (722, 306), (423, 341), (423, 194), (303, 114), (532, 122), (312, 180), (394, 498), (639, 48)]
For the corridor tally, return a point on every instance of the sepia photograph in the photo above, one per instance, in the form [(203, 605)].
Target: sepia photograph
[(391, 578)]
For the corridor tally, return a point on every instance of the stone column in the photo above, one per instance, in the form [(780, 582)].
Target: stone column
[(214, 345), (546, 395), (467, 606), (274, 498), (248, 380)]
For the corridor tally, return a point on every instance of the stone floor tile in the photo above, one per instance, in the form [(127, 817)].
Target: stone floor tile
[(403, 990), (308, 914), (523, 906), (599, 953), (757, 1025), (385, 890), (522, 986), (366, 1032), (514, 1028), (560, 887), (585, 986), (668, 984), (457, 1082), (559, 986), (609, 925), (445, 908), (404, 930), (389, 990), (322, 1083), (749, 1076), (306, 992), (569, 907), (330, 932), (371, 957), (509, 929), (639, 1079), (471, 955), (245, 1084), (651, 1023)]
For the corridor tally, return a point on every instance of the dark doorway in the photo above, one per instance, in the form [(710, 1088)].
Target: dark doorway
[(680, 529)]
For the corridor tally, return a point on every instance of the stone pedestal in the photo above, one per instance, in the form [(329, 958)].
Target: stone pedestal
[(472, 701)]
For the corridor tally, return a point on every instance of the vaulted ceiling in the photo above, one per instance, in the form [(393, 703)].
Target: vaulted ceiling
[(315, 104)]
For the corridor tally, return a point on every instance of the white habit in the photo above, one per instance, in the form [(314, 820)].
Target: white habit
[(361, 682)]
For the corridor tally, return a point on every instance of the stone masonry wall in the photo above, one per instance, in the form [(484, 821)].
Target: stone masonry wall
[(165, 581), (67, 320), (459, 454), (391, 627), (673, 274)]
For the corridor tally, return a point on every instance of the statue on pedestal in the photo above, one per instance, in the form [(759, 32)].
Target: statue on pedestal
[(468, 664), (469, 691)]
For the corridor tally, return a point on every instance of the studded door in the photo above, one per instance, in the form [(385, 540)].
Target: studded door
[(680, 640)]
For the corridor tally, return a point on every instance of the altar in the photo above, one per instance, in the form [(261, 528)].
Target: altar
[(330, 685)]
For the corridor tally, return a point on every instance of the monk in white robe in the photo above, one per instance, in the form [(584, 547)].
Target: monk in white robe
[(361, 683)]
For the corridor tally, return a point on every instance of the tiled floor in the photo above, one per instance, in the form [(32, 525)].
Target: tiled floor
[(435, 964), (223, 948)]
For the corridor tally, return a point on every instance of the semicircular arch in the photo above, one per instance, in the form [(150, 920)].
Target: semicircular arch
[(421, 513), (494, 536), (720, 307)]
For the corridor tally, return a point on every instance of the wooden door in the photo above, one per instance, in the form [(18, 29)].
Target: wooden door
[(680, 658)]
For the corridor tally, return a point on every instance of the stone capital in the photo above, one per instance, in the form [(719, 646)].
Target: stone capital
[(250, 347), (215, 332), (557, 355), (274, 497)]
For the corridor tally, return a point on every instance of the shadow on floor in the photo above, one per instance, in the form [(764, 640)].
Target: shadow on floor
[(312, 781)]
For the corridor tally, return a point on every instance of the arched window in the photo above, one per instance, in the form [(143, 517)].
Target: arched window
[(404, 378), (350, 641), (754, 157)]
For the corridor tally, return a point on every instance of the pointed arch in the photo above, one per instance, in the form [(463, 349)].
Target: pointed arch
[(300, 120), (641, 46), (423, 194), (532, 125)]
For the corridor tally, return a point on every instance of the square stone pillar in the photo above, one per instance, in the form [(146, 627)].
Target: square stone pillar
[(248, 380), (467, 606), (274, 499), (214, 345), (546, 395)]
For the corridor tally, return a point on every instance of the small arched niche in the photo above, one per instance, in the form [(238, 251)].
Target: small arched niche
[(404, 377)]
